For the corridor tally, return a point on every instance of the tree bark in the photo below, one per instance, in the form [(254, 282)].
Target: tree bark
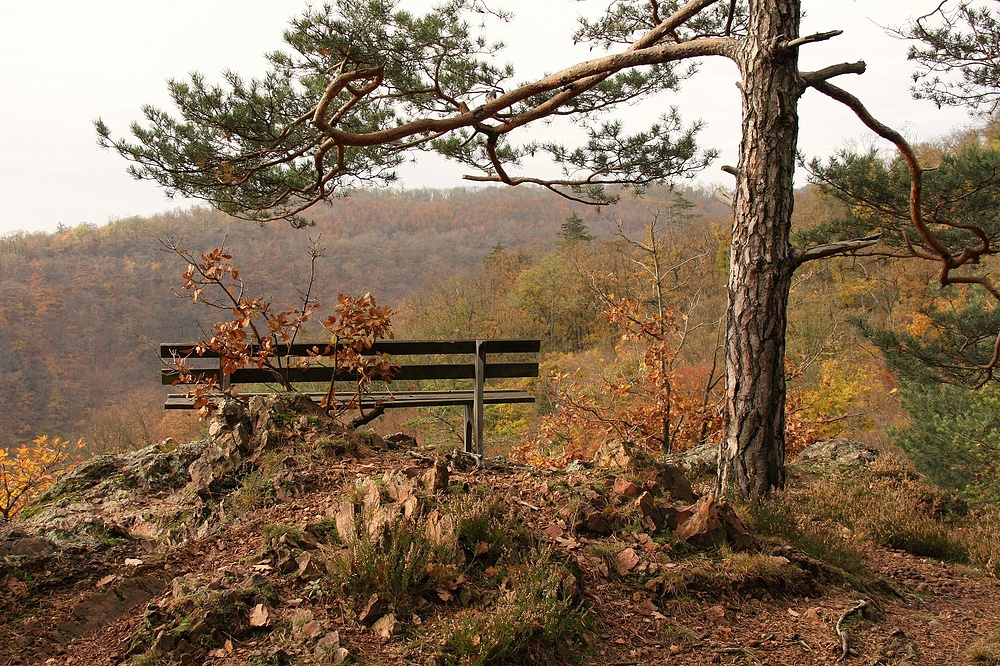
[(752, 453)]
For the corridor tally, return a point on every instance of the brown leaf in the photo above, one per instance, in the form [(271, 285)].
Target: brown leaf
[(110, 578), (260, 616)]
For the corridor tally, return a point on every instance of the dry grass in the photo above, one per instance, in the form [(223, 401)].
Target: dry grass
[(982, 539), (987, 651), (891, 507)]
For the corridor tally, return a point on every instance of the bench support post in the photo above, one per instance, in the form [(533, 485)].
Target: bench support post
[(478, 396), (470, 421)]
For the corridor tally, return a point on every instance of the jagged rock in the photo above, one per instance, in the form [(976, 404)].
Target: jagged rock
[(702, 459), (274, 411), (373, 610), (840, 452), (440, 528), (329, 651), (157, 470), (307, 569), (436, 478), (401, 440), (595, 522), (625, 488), (463, 461), (380, 521), (345, 519), (109, 603), (713, 523), (654, 476), (20, 544), (652, 516), (304, 626), (84, 476)]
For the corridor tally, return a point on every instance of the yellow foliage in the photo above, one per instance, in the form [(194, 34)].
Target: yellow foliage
[(31, 469), (920, 325), (847, 392)]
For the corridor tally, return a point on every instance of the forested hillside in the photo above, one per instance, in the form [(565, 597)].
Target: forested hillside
[(82, 309), (628, 302)]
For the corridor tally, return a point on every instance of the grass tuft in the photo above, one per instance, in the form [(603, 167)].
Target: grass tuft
[(535, 619)]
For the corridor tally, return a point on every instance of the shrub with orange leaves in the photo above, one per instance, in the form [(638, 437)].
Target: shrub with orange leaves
[(30, 469), (255, 334), (638, 396)]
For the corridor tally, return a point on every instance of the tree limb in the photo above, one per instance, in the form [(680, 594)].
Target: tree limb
[(948, 260), (833, 70), (841, 247), (810, 39), (843, 634)]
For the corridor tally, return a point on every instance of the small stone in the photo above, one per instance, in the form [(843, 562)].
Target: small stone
[(436, 479), (626, 561), (387, 626), (372, 610), (625, 488)]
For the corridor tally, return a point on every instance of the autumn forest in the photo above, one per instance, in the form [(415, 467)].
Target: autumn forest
[(628, 301)]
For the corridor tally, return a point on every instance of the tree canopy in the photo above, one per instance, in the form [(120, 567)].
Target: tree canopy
[(363, 85)]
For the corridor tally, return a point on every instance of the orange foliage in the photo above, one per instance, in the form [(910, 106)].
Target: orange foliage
[(31, 470), (255, 334), (638, 397)]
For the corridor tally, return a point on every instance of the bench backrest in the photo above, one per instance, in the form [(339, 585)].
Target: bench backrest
[(452, 367)]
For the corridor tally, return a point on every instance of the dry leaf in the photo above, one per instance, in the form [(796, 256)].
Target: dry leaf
[(132, 562), (107, 579), (260, 616)]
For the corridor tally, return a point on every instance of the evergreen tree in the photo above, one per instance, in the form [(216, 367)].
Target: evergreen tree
[(367, 84), (574, 230)]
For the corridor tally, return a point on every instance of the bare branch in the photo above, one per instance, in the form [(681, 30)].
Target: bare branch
[(573, 80), (834, 70), (947, 259), (832, 249), (810, 39)]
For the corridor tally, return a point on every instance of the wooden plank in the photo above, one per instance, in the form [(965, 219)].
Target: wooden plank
[(397, 400), (392, 347), (404, 373)]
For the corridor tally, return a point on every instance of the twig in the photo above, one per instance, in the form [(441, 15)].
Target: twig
[(843, 634)]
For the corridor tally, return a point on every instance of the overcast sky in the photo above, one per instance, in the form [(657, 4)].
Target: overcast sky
[(64, 63)]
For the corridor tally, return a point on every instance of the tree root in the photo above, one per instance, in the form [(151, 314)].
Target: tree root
[(843, 634)]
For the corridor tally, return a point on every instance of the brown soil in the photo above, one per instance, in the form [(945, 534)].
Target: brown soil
[(87, 609)]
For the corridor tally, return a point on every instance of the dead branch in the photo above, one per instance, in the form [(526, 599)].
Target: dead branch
[(832, 249), (810, 39), (375, 412), (840, 69)]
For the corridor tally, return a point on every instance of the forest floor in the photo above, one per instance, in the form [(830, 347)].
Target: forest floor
[(645, 599)]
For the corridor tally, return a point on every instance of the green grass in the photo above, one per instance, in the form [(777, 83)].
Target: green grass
[(535, 619)]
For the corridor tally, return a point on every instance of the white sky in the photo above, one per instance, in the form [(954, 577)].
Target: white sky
[(65, 62)]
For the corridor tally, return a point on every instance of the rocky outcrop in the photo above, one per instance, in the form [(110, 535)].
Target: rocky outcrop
[(845, 453), (656, 477)]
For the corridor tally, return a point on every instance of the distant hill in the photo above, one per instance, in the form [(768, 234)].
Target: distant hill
[(82, 309)]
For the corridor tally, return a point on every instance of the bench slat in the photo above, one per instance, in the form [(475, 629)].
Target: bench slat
[(395, 400), (404, 373), (392, 347)]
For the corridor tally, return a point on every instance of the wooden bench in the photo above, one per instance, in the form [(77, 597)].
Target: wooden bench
[(453, 359)]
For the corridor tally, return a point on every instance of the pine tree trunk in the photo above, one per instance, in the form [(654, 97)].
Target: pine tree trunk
[(752, 454)]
